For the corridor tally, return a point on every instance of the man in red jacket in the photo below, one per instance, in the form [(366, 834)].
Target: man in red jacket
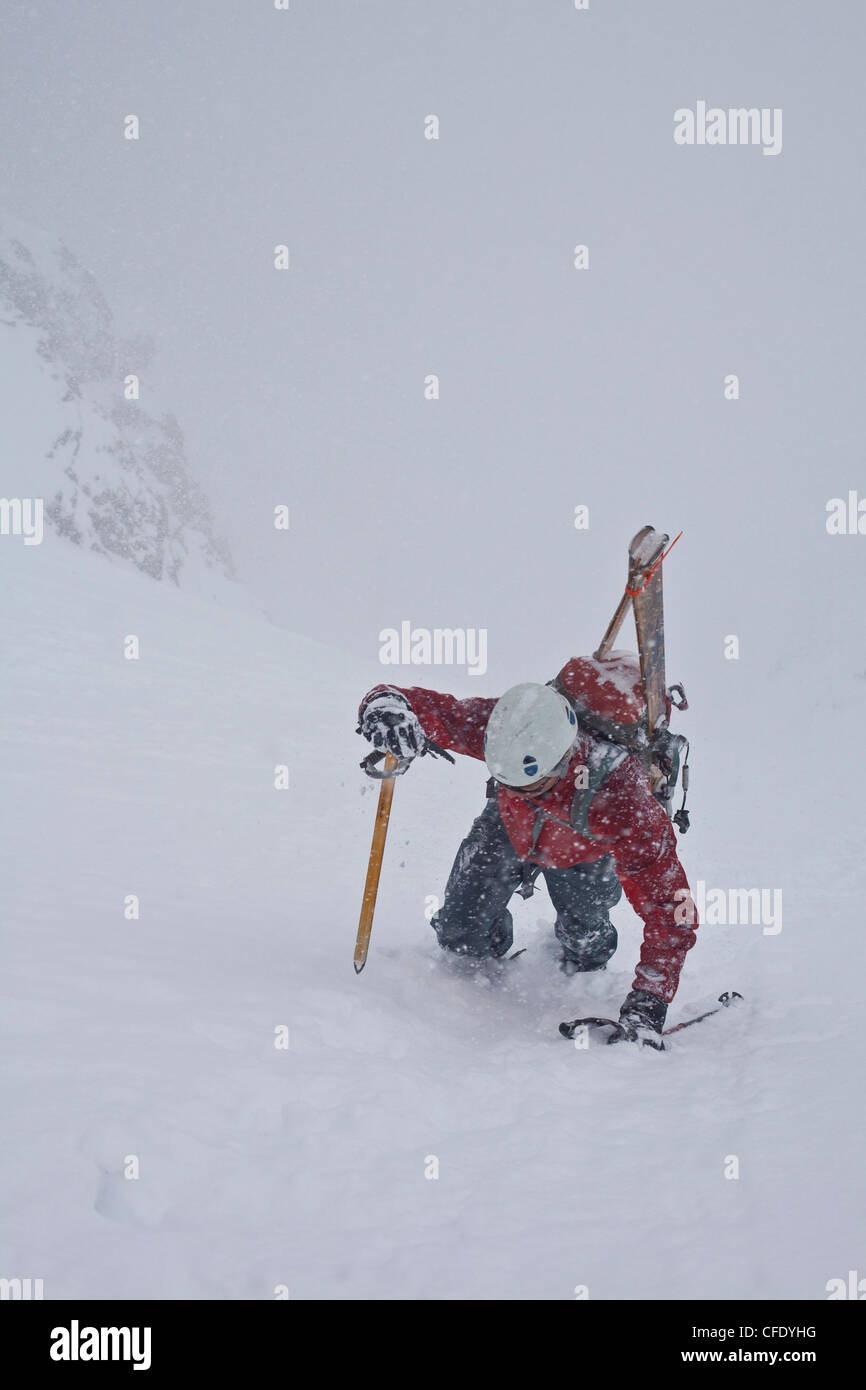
[(562, 801)]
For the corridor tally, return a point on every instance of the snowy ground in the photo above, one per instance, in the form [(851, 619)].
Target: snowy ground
[(306, 1168)]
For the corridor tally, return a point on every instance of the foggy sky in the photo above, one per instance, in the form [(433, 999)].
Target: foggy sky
[(558, 387)]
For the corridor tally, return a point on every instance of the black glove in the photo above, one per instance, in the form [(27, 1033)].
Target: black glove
[(390, 724), (642, 1020)]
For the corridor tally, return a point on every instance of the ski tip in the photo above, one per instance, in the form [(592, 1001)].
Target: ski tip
[(359, 968)]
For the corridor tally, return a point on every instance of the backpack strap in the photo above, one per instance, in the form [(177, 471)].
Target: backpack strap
[(604, 758)]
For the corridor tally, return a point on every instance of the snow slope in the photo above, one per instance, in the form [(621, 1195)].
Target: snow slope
[(305, 1167)]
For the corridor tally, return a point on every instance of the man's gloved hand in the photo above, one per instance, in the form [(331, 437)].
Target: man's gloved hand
[(390, 724), (642, 1020)]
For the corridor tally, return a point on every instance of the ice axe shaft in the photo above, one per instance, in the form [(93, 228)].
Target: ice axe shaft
[(374, 868)]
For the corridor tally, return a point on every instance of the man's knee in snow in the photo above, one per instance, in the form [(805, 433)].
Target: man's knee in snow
[(589, 945), (460, 933)]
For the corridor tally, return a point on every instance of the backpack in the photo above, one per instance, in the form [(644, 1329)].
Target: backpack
[(607, 697)]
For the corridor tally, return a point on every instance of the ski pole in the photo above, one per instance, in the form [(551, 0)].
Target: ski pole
[(374, 868)]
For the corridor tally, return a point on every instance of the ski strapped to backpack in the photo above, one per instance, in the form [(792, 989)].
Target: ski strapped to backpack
[(644, 586), (625, 701), (607, 698)]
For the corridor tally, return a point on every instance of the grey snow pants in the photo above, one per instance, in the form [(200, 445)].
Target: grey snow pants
[(474, 919)]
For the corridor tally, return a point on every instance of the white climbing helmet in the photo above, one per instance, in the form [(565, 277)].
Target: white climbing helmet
[(529, 732)]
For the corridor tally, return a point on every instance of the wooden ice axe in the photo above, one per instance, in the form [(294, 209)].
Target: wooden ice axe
[(374, 868)]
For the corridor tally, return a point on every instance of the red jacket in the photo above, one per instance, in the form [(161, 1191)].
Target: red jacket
[(624, 816)]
